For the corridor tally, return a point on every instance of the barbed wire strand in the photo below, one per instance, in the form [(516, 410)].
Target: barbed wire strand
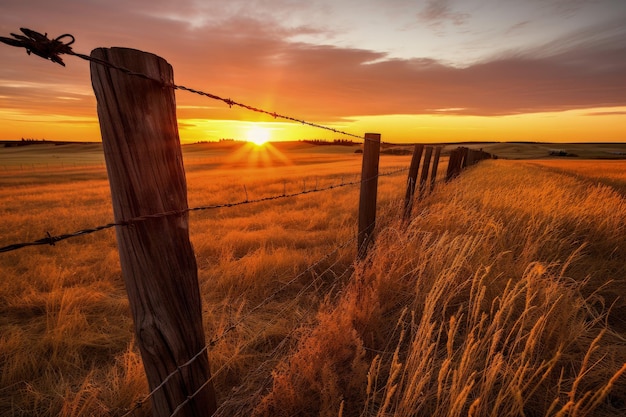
[(232, 327), (244, 317), (286, 308), (51, 240), (227, 101), (248, 314), (51, 49), (295, 326)]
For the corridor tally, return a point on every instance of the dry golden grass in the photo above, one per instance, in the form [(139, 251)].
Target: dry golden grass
[(66, 345), (612, 173), (502, 297)]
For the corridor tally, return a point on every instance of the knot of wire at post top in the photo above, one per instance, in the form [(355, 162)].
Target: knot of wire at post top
[(40, 45)]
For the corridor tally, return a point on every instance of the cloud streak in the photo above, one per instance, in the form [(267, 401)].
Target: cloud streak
[(239, 55), (438, 12), (327, 81)]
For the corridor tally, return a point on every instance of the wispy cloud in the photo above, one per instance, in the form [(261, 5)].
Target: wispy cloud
[(606, 113), (325, 80), (439, 12), (239, 55), (517, 27)]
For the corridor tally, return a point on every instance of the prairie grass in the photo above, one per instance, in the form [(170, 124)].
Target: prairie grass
[(503, 296), (611, 173), (66, 345)]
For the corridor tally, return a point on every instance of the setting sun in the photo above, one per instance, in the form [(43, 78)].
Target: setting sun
[(258, 135)]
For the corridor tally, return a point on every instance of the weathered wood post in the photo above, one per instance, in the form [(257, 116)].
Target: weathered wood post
[(433, 172), (369, 191), (458, 159), (418, 149), (425, 168), (463, 164), (452, 160), (146, 174), (472, 157)]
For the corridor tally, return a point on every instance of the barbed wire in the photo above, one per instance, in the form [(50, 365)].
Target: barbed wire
[(264, 302), (245, 316), (298, 322), (52, 240), (50, 49), (310, 268), (282, 311)]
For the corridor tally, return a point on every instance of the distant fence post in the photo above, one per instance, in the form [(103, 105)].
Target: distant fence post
[(146, 175), (472, 157), (455, 163), (425, 168), (369, 191), (433, 172), (451, 163), (464, 155), (412, 179)]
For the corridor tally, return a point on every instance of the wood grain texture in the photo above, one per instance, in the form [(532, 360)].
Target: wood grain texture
[(418, 149), (433, 171), (369, 191), (454, 164), (425, 167), (145, 167)]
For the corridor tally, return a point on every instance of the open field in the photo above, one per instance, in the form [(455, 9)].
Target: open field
[(574, 151), (45, 155), (504, 295)]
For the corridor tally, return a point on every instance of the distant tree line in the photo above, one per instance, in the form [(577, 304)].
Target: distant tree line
[(24, 142), (33, 140), (222, 140), (340, 142)]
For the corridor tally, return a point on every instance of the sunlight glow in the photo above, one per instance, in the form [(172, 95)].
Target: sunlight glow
[(258, 135), (251, 155)]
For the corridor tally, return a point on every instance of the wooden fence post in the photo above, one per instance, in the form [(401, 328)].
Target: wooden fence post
[(146, 174), (412, 180), (433, 172), (425, 167), (463, 164), (472, 157), (369, 190), (454, 155)]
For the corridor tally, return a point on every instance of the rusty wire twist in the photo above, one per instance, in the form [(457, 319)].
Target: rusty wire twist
[(40, 45)]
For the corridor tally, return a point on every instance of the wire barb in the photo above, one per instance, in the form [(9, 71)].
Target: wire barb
[(40, 45), (50, 238)]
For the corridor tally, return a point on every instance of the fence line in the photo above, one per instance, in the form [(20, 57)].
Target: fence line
[(462, 158), (296, 324), (244, 317), (51, 240), (232, 327), (282, 311)]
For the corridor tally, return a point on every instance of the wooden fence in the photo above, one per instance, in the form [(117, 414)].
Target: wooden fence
[(146, 175)]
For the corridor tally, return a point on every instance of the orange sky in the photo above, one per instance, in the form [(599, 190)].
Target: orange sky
[(414, 71)]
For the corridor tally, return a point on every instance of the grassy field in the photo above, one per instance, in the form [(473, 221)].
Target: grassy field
[(503, 296)]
